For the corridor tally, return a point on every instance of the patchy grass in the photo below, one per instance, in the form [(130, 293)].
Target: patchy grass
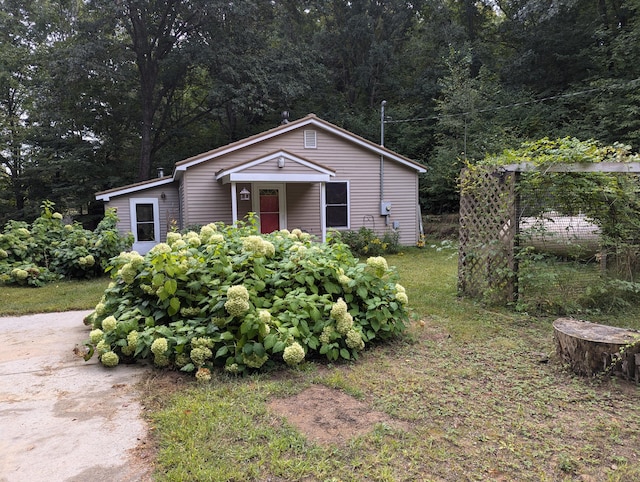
[(479, 392), (58, 296)]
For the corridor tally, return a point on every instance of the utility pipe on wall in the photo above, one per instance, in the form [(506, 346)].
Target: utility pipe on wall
[(384, 102)]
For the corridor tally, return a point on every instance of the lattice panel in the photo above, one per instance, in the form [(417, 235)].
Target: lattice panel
[(486, 262)]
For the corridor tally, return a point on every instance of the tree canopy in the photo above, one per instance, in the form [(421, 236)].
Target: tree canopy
[(96, 94)]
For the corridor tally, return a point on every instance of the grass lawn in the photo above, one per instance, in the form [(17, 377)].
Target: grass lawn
[(59, 296), (469, 393)]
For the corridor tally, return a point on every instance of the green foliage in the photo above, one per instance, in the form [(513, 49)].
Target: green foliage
[(573, 280), (48, 249), (365, 242), (226, 297)]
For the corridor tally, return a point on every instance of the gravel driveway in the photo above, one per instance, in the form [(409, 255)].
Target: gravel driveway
[(62, 418)]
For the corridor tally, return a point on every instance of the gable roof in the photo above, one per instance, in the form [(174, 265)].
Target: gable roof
[(313, 172), (309, 120)]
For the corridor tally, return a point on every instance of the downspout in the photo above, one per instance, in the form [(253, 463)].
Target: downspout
[(382, 145)]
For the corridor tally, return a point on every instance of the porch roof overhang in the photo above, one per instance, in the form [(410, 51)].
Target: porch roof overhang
[(285, 178), (254, 170)]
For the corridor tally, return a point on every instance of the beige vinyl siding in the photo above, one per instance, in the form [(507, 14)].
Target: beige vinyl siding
[(121, 205), (401, 190), (208, 200), (271, 167), (303, 208), (362, 169)]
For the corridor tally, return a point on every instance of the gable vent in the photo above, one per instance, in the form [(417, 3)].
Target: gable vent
[(310, 140)]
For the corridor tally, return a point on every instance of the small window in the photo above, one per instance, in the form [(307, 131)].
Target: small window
[(145, 223), (337, 205), (310, 140)]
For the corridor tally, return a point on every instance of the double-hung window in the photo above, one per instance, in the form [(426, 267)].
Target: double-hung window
[(337, 204)]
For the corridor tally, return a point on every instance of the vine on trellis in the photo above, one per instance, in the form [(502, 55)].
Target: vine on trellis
[(547, 179)]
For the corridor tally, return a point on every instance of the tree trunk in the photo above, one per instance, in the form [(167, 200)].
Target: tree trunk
[(590, 348)]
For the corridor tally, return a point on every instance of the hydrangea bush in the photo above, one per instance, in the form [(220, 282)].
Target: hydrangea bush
[(49, 249), (226, 297)]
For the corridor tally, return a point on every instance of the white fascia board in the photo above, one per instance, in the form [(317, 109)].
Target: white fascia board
[(130, 189), (282, 178)]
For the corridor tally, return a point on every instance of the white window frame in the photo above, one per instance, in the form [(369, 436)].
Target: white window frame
[(143, 247), (326, 204)]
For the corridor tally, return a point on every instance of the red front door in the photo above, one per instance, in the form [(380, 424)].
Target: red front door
[(269, 210)]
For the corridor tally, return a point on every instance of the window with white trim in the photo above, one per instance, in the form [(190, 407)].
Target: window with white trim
[(337, 204), (145, 222)]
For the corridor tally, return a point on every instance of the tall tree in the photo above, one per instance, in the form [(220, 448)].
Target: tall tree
[(18, 47), (160, 31)]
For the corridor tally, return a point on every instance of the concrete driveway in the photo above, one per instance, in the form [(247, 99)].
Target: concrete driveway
[(61, 418)]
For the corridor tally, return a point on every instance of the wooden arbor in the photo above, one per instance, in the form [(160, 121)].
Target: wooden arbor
[(487, 265)]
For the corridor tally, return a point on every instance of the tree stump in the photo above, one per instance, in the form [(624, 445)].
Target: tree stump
[(591, 348)]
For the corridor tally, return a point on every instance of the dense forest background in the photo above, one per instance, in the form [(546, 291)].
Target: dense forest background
[(100, 93)]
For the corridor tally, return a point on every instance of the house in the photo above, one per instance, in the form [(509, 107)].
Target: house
[(307, 174)]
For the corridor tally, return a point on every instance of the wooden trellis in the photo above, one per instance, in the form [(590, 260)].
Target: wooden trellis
[(486, 262)]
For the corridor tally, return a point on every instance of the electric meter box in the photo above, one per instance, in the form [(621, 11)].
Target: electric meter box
[(385, 208)]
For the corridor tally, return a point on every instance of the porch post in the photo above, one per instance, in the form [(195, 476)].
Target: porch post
[(234, 204), (323, 214)]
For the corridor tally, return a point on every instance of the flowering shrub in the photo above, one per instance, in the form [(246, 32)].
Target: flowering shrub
[(49, 249), (365, 242), (226, 297)]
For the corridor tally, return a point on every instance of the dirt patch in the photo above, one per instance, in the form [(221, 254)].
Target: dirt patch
[(328, 416)]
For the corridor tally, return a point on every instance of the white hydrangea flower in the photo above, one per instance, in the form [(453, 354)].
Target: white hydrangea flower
[(110, 359), (172, 237), (354, 340), (96, 336), (379, 264), (402, 297), (236, 306), (200, 355), (264, 316), (161, 248), (344, 323), (159, 346), (238, 291), (293, 354), (109, 323), (338, 309)]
